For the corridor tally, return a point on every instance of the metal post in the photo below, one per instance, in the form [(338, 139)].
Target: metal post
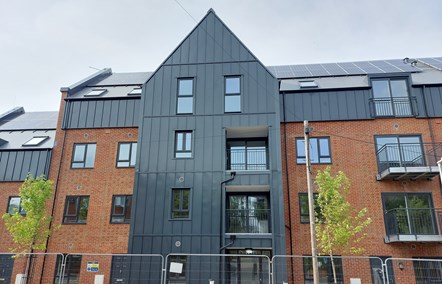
[(439, 164), (311, 210)]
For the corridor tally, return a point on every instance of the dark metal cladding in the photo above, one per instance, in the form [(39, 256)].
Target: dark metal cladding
[(208, 54)]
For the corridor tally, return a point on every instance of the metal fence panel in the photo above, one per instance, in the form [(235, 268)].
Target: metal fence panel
[(419, 270), (299, 269), (217, 268)]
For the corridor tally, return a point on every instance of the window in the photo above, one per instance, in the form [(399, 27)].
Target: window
[(376, 270), (247, 155), (35, 141), (325, 270), (319, 150), (427, 271), (232, 98), (183, 144), (84, 155), (76, 210), (303, 207), (185, 96), (399, 151), (177, 269), (247, 266), (409, 214), (180, 203), (121, 208), (135, 92), (127, 153), (391, 97), (72, 269), (96, 93), (248, 213), (14, 205)]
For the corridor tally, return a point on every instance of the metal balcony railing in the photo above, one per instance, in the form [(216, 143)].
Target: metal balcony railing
[(393, 106), (413, 224), (422, 157), (249, 221), (248, 159)]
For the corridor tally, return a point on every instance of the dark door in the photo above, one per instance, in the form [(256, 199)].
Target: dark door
[(120, 270), (6, 265)]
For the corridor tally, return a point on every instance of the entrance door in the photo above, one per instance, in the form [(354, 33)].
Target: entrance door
[(120, 270), (247, 268), (6, 265)]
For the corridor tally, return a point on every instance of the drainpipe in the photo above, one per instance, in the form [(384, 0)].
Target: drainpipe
[(221, 233), (288, 184)]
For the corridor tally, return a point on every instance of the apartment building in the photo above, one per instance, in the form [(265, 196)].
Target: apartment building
[(26, 146), (205, 156), (380, 122)]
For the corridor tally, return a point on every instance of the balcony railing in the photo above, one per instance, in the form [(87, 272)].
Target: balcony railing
[(408, 160), (247, 159), (410, 224), (248, 221), (393, 106)]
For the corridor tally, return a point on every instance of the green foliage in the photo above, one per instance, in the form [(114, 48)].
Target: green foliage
[(339, 226), (31, 231)]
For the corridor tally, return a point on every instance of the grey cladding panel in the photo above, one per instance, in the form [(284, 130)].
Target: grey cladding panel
[(211, 41), (15, 165), (101, 113), (327, 105)]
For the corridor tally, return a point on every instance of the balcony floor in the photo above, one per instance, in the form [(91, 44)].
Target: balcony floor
[(413, 238), (413, 173)]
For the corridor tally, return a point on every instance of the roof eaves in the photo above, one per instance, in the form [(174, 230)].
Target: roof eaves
[(98, 75)]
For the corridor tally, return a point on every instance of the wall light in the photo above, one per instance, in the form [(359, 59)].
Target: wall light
[(401, 266)]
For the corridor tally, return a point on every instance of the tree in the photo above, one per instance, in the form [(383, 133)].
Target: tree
[(30, 228), (339, 226)]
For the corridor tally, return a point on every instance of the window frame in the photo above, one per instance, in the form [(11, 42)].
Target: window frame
[(192, 95), (181, 210), (20, 210), (78, 200), (248, 149), (127, 198), (420, 263), (226, 94), (379, 146), (299, 158), (129, 160), (184, 144), (176, 277), (328, 267), (67, 270), (307, 214), (391, 96), (85, 155)]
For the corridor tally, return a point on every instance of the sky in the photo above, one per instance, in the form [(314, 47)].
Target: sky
[(49, 44)]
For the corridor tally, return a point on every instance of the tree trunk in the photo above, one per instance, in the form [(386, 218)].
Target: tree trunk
[(335, 280)]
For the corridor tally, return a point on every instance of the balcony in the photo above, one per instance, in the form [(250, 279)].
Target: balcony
[(393, 106), (247, 159), (408, 161), (248, 221), (413, 225)]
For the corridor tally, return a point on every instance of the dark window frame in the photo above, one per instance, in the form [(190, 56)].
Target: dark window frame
[(130, 159), (431, 273), (390, 98), (192, 95), (374, 261), (306, 214), (127, 199), (246, 141), (176, 277), (78, 200), (181, 213), (20, 210), (183, 151), (398, 143), (338, 266), (83, 161), (68, 273), (299, 158), (226, 94)]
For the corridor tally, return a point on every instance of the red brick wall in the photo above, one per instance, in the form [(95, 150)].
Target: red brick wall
[(356, 157)]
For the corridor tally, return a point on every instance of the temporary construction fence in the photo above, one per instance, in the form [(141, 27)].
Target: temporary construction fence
[(212, 269)]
